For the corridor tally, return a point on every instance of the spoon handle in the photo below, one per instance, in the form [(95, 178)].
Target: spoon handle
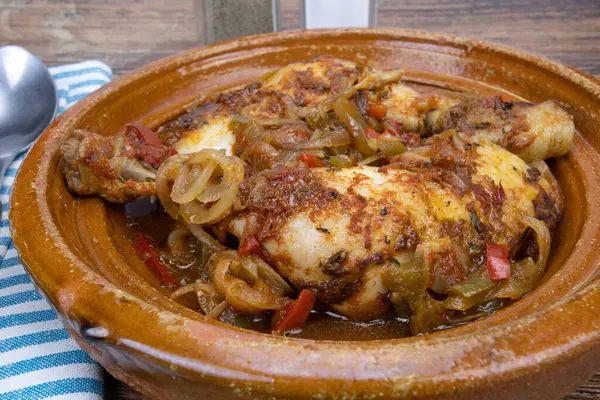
[(4, 163)]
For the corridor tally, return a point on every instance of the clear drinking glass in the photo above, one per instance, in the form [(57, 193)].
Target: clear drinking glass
[(337, 13), (228, 19)]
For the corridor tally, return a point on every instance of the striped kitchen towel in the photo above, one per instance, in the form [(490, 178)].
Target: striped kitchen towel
[(38, 358)]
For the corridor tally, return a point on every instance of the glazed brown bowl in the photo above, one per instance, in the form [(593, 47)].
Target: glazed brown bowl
[(542, 347)]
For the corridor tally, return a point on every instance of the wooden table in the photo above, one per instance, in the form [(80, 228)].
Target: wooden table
[(128, 34)]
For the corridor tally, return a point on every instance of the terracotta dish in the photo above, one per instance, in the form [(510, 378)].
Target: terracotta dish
[(541, 347)]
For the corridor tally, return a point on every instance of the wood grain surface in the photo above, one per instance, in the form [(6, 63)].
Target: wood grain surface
[(127, 34)]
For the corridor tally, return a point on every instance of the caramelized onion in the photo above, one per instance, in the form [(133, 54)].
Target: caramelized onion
[(205, 239), (277, 121), (166, 174), (195, 186), (378, 79), (191, 182), (543, 240), (341, 161), (232, 173), (409, 159), (245, 296), (196, 212), (207, 288), (336, 138), (175, 241), (370, 160), (268, 274), (217, 310), (186, 185)]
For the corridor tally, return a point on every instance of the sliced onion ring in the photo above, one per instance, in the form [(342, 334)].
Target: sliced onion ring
[(268, 274), (244, 297), (197, 213), (205, 239), (191, 181), (232, 169), (192, 189), (370, 159), (166, 174), (543, 239)]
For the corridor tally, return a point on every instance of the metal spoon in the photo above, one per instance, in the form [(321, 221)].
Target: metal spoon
[(28, 102)]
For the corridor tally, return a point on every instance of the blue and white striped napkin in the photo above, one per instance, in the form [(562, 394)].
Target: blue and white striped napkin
[(38, 358)]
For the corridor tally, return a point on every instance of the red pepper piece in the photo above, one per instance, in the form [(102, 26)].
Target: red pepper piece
[(377, 110), (250, 246), (311, 160), (497, 264), (371, 133), (397, 125), (295, 313), (146, 144), (150, 257)]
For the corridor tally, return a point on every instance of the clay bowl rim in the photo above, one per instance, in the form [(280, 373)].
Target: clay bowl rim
[(328, 362)]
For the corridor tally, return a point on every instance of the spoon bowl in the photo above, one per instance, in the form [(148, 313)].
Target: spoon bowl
[(28, 101)]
